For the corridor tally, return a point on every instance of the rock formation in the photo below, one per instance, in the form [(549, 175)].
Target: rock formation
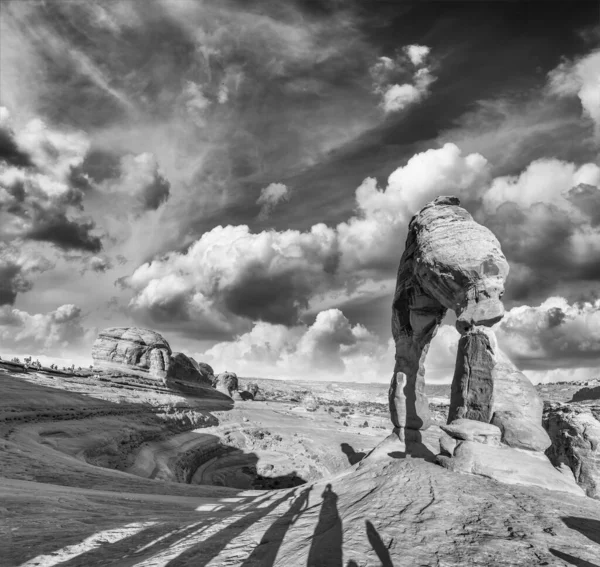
[(227, 383), (452, 262), (204, 369), (133, 350), (575, 432), (181, 367)]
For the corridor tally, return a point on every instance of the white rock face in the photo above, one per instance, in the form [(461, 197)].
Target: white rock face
[(131, 349), (575, 432)]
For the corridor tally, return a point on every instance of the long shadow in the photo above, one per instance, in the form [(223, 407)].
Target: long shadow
[(572, 559), (586, 393), (589, 528), (352, 456), (415, 448), (265, 553), (326, 546), (378, 546), (163, 536), (206, 550)]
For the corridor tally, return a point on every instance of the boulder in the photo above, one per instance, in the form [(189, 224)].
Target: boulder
[(181, 367), (471, 430), (510, 466), (227, 383), (574, 429), (133, 350)]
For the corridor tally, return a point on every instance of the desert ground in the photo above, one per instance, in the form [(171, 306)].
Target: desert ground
[(117, 471)]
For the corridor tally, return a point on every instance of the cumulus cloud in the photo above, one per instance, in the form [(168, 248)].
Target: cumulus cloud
[(554, 334), (543, 181), (230, 276), (409, 66), (546, 219), (331, 348), (581, 78), (52, 332), (270, 197)]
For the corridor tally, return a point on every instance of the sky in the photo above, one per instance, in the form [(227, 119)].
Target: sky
[(239, 175)]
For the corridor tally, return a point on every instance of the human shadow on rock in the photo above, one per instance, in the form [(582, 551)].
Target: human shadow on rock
[(352, 456), (153, 540), (378, 546), (206, 550), (265, 553), (572, 559), (589, 528), (326, 546)]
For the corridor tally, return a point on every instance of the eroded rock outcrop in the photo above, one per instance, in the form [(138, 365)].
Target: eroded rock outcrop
[(575, 432), (130, 349), (205, 369), (452, 262), (181, 367), (227, 383)]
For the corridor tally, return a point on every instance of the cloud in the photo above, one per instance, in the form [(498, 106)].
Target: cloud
[(543, 181), (230, 276), (142, 180), (98, 264), (38, 201), (54, 332), (18, 262), (546, 219), (331, 348), (270, 197), (409, 65), (579, 77), (555, 334), (371, 240)]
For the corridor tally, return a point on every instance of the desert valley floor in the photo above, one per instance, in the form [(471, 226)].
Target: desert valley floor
[(120, 471)]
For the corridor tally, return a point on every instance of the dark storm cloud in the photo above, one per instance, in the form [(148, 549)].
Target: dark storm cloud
[(10, 152), (64, 233), (536, 240), (156, 193)]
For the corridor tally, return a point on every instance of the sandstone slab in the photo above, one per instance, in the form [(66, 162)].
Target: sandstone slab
[(510, 466), (471, 430)]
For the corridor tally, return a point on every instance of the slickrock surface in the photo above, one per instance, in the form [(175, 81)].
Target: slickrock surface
[(68, 497), (575, 432), (132, 350)]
